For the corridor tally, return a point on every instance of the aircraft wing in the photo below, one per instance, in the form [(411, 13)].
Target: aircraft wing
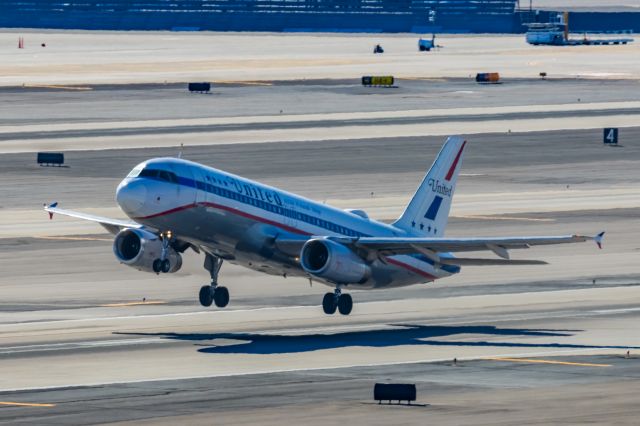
[(112, 225), (432, 247), (396, 245)]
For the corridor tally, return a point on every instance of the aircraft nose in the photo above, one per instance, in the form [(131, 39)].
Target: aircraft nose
[(131, 196)]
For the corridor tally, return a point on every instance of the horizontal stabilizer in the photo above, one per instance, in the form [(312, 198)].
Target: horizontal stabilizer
[(111, 225)]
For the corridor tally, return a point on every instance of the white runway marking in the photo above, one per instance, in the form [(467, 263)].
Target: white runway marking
[(338, 117), (77, 345), (292, 331), (293, 370)]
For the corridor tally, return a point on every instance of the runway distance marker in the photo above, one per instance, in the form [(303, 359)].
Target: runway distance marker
[(544, 361), (124, 304), (25, 404)]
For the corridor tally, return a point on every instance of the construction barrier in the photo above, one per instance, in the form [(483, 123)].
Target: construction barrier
[(378, 80), (487, 77)]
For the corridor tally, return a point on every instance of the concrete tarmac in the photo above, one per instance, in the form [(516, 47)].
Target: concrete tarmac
[(84, 340), (82, 57)]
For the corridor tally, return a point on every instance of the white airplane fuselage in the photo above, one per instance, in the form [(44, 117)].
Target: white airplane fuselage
[(239, 220)]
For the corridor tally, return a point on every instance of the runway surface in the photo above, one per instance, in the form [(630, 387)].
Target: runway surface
[(85, 340)]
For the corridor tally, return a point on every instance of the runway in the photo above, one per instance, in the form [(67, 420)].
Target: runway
[(295, 372), (85, 340), (303, 112), (273, 353)]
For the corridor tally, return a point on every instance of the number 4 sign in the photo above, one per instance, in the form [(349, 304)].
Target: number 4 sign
[(611, 136)]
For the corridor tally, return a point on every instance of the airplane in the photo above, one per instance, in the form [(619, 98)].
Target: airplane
[(174, 204)]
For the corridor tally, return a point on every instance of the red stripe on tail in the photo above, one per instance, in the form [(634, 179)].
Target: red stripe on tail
[(455, 162)]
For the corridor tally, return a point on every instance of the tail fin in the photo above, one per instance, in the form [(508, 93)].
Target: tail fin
[(428, 211)]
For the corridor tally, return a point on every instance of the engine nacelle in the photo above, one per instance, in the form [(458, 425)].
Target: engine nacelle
[(333, 262), (138, 249)]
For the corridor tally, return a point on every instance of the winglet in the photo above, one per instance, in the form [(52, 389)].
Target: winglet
[(51, 206), (598, 239)]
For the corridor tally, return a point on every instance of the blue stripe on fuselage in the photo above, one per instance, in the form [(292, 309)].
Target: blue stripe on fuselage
[(283, 211)]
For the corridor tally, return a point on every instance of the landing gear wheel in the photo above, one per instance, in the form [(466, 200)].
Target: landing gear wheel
[(329, 304), (345, 304), (165, 266), (157, 266), (206, 296), (221, 297)]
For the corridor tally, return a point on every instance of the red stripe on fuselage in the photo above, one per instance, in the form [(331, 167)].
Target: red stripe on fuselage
[(411, 268), (279, 225), (231, 210), (455, 162), (164, 213)]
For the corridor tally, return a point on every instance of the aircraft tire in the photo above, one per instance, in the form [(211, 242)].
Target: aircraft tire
[(157, 266), (221, 297), (329, 304), (206, 298), (345, 304), (165, 266)]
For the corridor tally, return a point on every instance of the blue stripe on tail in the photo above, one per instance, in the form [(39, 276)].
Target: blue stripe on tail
[(433, 208)]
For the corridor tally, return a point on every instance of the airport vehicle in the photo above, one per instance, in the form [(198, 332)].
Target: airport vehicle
[(175, 204), (425, 45), (556, 33)]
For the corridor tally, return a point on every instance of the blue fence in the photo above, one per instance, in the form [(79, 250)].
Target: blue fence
[(419, 16), (599, 22), (496, 16)]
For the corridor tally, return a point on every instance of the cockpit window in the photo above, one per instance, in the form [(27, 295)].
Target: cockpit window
[(135, 172), (162, 175)]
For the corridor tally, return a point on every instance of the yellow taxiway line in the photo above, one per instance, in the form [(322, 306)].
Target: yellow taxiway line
[(423, 79), (56, 86), (43, 237), (25, 404), (246, 83), (544, 361), (522, 219), (124, 304)]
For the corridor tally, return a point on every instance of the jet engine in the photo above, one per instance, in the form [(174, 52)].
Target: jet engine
[(139, 249), (333, 262)]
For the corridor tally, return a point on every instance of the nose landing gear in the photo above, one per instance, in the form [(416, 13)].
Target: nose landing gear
[(213, 293), (336, 300), (163, 265)]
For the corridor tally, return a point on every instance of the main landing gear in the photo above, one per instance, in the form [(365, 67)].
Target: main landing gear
[(336, 300), (213, 293), (163, 265)]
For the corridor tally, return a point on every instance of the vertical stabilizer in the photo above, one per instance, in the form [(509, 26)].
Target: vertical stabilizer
[(428, 211)]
